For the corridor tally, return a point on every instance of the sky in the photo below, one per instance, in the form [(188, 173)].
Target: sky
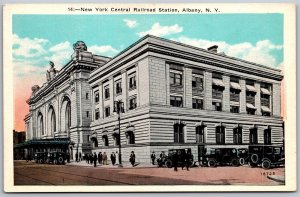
[(38, 39)]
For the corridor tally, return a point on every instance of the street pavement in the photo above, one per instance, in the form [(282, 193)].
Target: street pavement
[(81, 173)]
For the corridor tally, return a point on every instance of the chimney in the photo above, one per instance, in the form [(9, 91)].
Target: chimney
[(213, 49)]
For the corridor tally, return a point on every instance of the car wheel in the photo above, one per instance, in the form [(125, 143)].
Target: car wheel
[(169, 163), (235, 162), (266, 164), (41, 161), (242, 161), (60, 160), (211, 163), (254, 158)]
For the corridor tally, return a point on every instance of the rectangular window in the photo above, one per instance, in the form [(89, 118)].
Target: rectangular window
[(234, 109), (251, 111), (265, 100), (132, 103), (217, 106), (197, 103), (217, 92), (118, 87), (234, 95), (176, 101), (178, 133), (86, 95), (197, 83), (106, 92), (96, 96), (97, 114), (87, 114), (107, 111), (132, 82), (175, 78)]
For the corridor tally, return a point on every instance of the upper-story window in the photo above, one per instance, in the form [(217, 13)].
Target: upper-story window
[(197, 82), (96, 96), (106, 92), (217, 86), (97, 114), (132, 81), (175, 78), (118, 87), (87, 96), (217, 106), (132, 102), (176, 101), (107, 111), (197, 103)]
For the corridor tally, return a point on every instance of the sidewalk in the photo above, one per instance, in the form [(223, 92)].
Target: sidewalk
[(125, 165), (279, 179)]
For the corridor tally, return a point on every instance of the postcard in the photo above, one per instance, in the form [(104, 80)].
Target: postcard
[(149, 97)]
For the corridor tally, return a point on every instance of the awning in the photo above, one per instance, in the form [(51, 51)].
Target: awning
[(235, 85), (265, 109), (218, 82), (250, 106), (250, 88), (265, 91), (43, 142)]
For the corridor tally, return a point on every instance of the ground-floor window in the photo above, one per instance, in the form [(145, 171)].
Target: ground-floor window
[(267, 136), (94, 142), (130, 137), (178, 133), (253, 136), (105, 140), (238, 135), (200, 134), (220, 135), (117, 139)]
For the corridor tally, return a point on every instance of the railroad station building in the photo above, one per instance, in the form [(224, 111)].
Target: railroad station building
[(173, 96)]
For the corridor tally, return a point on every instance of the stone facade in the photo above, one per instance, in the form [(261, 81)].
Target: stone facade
[(173, 96)]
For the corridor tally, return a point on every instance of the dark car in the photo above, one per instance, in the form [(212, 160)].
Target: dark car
[(222, 156), (40, 157), (181, 154), (56, 158), (243, 155), (266, 156)]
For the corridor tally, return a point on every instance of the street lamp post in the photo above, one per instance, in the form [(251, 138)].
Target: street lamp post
[(118, 107)]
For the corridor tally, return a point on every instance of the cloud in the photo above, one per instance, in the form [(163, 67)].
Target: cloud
[(28, 48), (130, 23), (105, 50), (158, 30), (260, 53), (60, 54)]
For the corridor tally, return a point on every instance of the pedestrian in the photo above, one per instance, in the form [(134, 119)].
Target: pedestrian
[(80, 156), (95, 159), (188, 159), (153, 157), (100, 158), (68, 157), (87, 158), (104, 158), (117, 158), (113, 158), (175, 160), (91, 158), (76, 157), (132, 158)]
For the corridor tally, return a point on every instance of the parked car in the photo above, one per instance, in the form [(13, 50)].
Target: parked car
[(40, 157), (181, 153), (243, 156), (56, 158), (222, 156), (266, 156)]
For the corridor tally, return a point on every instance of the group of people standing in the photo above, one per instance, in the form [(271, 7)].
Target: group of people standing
[(101, 158)]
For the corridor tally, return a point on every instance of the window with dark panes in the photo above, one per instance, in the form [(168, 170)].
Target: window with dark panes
[(267, 136), (197, 103), (106, 92), (107, 111), (132, 82), (178, 133), (253, 136), (87, 113), (234, 109), (217, 106), (220, 135), (105, 140), (96, 96), (175, 78), (176, 101), (97, 114), (197, 82), (237, 135), (200, 134), (132, 103), (118, 87), (130, 137)]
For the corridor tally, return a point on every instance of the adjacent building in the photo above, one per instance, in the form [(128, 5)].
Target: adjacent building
[(173, 96)]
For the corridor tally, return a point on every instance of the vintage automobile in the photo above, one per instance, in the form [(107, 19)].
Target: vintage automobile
[(56, 158), (40, 157), (266, 156), (222, 156), (243, 156), (181, 153)]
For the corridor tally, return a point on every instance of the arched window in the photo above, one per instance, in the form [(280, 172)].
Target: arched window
[(65, 115), (94, 142), (220, 135), (267, 136), (200, 134), (53, 122), (130, 137), (116, 138), (105, 140), (40, 124), (238, 135), (68, 117), (179, 133), (253, 136)]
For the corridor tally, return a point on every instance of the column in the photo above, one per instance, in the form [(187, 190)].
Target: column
[(187, 87), (226, 94), (101, 109), (168, 84), (125, 88), (111, 94), (257, 98), (208, 90), (243, 96), (276, 98)]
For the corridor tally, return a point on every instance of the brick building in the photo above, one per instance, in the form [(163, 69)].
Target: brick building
[(174, 95)]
